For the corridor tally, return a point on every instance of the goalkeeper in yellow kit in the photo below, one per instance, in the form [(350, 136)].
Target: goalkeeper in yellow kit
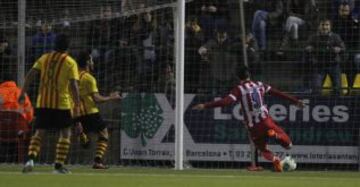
[(89, 116)]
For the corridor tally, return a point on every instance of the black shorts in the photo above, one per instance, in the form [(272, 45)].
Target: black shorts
[(92, 122), (52, 119)]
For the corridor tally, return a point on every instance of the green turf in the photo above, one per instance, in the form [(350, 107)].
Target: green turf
[(10, 176)]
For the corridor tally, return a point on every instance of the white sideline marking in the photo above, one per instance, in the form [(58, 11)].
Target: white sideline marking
[(182, 175)]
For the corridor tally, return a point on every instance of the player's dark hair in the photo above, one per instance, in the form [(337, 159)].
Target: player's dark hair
[(83, 58), (62, 42), (243, 73)]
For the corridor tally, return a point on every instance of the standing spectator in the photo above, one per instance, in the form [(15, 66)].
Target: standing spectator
[(251, 95), (4, 47), (221, 56), (268, 12), (43, 41), (300, 13), (349, 29), (65, 26), (212, 13), (194, 38), (5, 56), (144, 40), (324, 49), (101, 38), (102, 34), (252, 51)]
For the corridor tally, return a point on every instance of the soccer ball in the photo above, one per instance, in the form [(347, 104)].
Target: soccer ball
[(288, 164)]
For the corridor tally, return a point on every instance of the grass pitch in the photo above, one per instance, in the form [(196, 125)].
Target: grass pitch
[(11, 176)]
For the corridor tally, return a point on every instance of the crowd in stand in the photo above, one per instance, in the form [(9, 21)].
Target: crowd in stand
[(135, 52)]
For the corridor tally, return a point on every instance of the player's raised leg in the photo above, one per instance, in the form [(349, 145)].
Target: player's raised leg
[(278, 133)]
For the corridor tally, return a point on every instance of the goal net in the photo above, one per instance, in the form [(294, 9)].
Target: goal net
[(287, 44)]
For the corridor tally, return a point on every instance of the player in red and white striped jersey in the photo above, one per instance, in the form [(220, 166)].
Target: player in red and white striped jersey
[(250, 94)]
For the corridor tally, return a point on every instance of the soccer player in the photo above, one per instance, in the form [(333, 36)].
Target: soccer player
[(89, 115), (250, 94), (58, 72)]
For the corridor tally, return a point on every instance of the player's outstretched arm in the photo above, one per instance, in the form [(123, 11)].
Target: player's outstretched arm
[(100, 99), (228, 100), (278, 93), (28, 80), (199, 107)]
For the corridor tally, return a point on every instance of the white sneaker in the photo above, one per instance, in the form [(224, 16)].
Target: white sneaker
[(29, 165)]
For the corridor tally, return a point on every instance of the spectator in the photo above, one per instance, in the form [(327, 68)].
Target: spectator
[(353, 5), (221, 56), (144, 40), (167, 81), (65, 22), (4, 55), (211, 13), (252, 51), (101, 34), (348, 28), (101, 39), (300, 13), (324, 49), (4, 47), (268, 12), (194, 38), (121, 66), (43, 41), (9, 93)]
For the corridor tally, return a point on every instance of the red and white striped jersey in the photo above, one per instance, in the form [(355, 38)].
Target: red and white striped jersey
[(250, 94)]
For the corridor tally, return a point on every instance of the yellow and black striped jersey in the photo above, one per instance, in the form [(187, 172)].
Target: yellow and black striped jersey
[(57, 69), (87, 86)]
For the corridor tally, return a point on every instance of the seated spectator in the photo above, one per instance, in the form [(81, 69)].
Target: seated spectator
[(324, 49), (9, 94), (349, 30), (268, 12), (300, 13), (43, 41)]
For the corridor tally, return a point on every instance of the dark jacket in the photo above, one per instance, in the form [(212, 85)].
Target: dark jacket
[(349, 31), (323, 45)]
